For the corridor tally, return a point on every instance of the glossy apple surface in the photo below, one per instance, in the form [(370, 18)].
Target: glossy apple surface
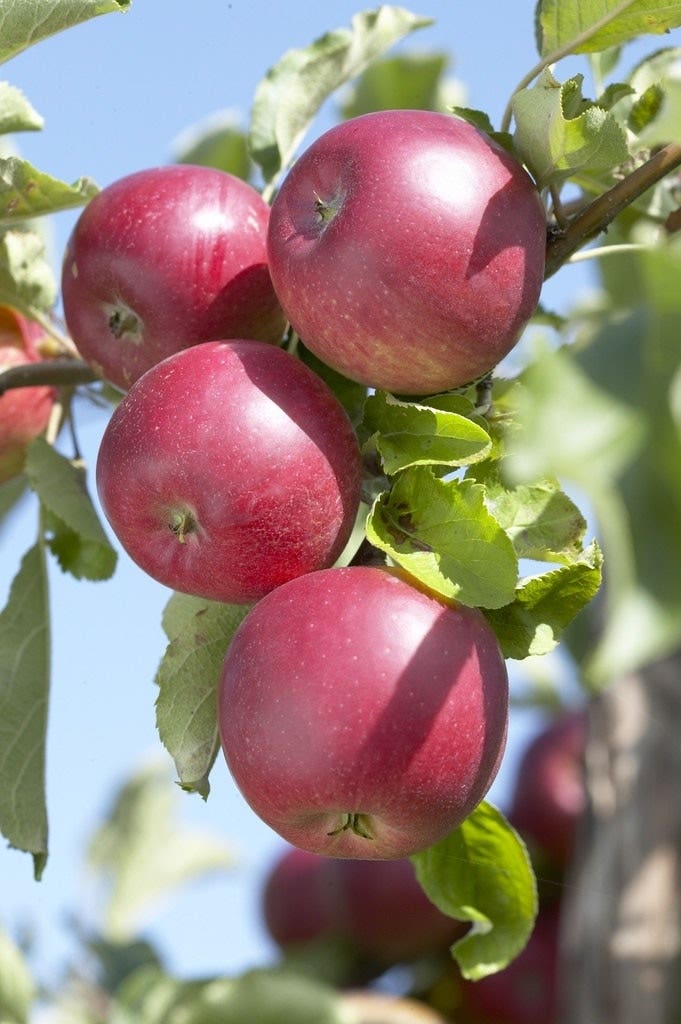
[(228, 469), (361, 717), (407, 250), (165, 258), (378, 907), (549, 796), (24, 412)]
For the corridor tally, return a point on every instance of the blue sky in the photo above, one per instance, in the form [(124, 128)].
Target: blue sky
[(115, 94)]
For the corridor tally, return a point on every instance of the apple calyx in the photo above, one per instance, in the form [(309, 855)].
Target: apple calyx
[(355, 822), (326, 209), (182, 524), (123, 322)]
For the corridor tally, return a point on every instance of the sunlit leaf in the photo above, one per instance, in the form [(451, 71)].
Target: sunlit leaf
[(26, 192), (17, 989), (482, 873), (16, 113), (559, 22), (292, 92), (26, 279), (25, 22)]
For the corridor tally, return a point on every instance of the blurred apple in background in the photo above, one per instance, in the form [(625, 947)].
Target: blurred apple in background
[(24, 412)]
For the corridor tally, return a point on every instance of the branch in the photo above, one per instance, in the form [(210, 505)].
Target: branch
[(596, 217), (57, 372)]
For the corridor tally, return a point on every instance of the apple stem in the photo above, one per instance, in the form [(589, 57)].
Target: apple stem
[(355, 822), (182, 524)]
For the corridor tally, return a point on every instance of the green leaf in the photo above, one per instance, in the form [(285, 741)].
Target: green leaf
[(16, 113), (417, 434), (292, 92), (349, 393), (559, 22), (77, 538), (11, 492), (26, 192), (655, 115), (26, 279), (143, 854), (441, 532), (23, 22), (558, 133), (265, 996), (217, 142), (24, 688), (543, 523), (17, 990), (482, 873), (411, 81), (545, 605), (199, 632)]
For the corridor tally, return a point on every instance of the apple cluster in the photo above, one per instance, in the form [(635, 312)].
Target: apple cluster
[(360, 716)]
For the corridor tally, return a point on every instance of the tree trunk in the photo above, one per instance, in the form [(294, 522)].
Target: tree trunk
[(622, 918)]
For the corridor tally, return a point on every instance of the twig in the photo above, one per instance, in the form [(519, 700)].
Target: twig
[(57, 372)]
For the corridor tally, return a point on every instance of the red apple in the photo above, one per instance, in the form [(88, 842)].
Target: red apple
[(166, 258), (407, 250), (361, 717), (378, 907), (228, 469), (549, 795), (525, 992), (24, 412)]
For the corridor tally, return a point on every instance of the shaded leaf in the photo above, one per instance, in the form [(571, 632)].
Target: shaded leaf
[(559, 22), (218, 142), (198, 632), (24, 688), (482, 873), (76, 536), (292, 92), (411, 81), (142, 854), (441, 532), (23, 22), (11, 492), (26, 279)]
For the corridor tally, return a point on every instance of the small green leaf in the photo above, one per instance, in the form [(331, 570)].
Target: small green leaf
[(16, 113), (24, 688), (559, 22), (198, 632), (541, 520), (559, 133), (77, 538), (17, 990), (23, 23), (417, 434), (410, 81), (441, 532), (545, 605), (143, 854), (292, 92), (26, 192), (26, 279), (218, 142), (11, 492), (482, 873)]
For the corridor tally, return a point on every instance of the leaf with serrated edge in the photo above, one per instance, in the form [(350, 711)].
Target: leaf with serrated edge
[(77, 536), (292, 92), (441, 533), (543, 523), (26, 279), (558, 134), (199, 632), (26, 192), (17, 989), (482, 873), (16, 113), (24, 22), (144, 854), (24, 687), (559, 22), (411, 433), (545, 605)]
